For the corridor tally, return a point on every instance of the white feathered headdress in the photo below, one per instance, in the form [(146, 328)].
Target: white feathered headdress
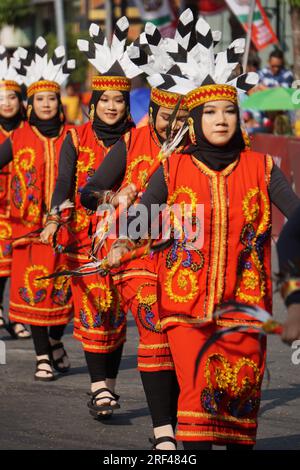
[(43, 74), (201, 73), (9, 76), (111, 61)]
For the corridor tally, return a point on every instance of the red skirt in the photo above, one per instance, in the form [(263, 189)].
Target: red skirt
[(5, 248), (222, 405), (99, 322), (44, 302), (137, 286)]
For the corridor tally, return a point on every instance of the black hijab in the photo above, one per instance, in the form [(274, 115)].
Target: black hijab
[(9, 124), (216, 158), (49, 127), (110, 134)]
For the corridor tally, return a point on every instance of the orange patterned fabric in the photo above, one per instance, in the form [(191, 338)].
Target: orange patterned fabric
[(136, 280), (105, 82), (5, 225), (208, 93), (10, 85), (167, 99), (34, 172), (41, 302), (41, 86), (99, 322), (33, 176), (91, 152), (234, 261), (138, 292), (222, 405)]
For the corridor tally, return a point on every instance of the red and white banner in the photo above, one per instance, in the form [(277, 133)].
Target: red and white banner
[(160, 13), (262, 32)]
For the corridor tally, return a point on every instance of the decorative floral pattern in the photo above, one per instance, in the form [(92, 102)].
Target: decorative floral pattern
[(251, 286), (145, 313), (35, 290), (234, 389), (24, 187)]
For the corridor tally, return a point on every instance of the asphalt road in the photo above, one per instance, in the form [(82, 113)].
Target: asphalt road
[(35, 415)]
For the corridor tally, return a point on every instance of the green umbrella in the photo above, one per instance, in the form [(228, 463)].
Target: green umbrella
[(273, 99)]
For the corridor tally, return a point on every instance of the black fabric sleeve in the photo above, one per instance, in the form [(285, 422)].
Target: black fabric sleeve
[(156, 193), (282, 194), (6, 153), (109, 174), (288, 249), (66, 172)]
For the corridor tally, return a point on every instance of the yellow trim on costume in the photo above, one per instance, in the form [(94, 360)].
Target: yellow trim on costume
[(223, 239), (220, 435), (187, 321), (41, 86), (105, 82), (10, 85), (41, 322), (154, 346), (217, 262), (269, 168), (134, 273), (195, 414), (167, 99), (207, 93), (101, 348), (159, 364), (94, 331), (230, 323), (31, 307)]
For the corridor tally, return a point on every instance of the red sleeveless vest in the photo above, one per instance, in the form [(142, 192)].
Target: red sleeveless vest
[(234, 261), (33, 176), (91, 152)]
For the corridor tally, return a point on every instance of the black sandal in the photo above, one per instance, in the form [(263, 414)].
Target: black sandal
[(16, 335), (38, 369), (155, 442), (97, 410), (55, 362)]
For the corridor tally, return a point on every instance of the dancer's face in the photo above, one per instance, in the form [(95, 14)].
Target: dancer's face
[(219, 121), (162, 121), (45, 105), (111, 107), (9, 104)]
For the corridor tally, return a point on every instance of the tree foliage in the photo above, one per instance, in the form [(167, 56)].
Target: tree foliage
[(12, 12)]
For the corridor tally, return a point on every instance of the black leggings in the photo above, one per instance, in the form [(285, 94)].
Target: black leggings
[(205, 445), (103, 366), (40, 336), (2, 288), (161, 390)]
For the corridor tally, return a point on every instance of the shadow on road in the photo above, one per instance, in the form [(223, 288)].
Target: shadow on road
[(279, 397)]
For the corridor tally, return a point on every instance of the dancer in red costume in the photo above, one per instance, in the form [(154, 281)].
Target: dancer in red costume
[(33, 152), (12, 116), (236, 187)]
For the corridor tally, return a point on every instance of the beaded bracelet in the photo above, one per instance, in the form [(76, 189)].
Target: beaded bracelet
[(104, 197), (124, 241), (289, 287)]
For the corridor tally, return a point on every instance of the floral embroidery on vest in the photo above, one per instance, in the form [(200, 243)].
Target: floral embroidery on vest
[(230, 388), (251, 286)]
